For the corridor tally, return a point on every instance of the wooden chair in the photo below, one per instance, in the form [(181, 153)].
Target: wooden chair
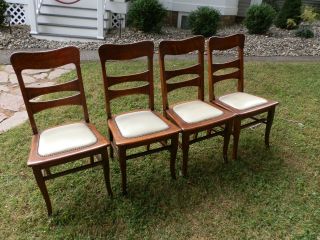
[(64, 143), (244, 105), (192, 116), (141, 127)]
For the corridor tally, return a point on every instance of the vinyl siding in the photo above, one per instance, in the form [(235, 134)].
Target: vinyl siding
[(243, 6)]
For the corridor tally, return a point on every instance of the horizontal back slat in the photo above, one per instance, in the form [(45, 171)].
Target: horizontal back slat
[(178, 47), (233, 75), (177, 72), (38, 91), (233, 64), (225, 43), (39, 106), (113, 80), (189, 83), (124, 92), (126, 51)]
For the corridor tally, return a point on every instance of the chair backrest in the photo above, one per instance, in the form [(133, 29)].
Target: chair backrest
[(222, 44), (47, 60), (180, 47), (120, 52)]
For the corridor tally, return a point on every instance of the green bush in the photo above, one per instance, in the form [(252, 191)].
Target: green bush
[(291, 24), (146, 15), (204, 21), (3, 8), (259, 18), (273, 3), (304, 32), (309, 14), (290, 9)]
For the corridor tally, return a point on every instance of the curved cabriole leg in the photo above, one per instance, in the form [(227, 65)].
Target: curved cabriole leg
[(185, 154), (123, 168), (43, 188), (106, 171), (236, 135), (173, 155), (227, 133), (270, 118)]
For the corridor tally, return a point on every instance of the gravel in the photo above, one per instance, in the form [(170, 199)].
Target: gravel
[(276, 42)]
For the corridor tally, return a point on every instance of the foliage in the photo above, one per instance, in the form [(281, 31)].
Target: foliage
[(305, 32), (272, 3), (290, 9), (146, 15), (309, 14), (259, 18), (204, 21), (3, 8), (291, 24)]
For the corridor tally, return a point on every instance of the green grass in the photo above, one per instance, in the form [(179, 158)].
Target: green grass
[(268, 194)]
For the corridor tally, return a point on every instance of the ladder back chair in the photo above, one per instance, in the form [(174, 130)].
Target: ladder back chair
[(63, 143), (140, 127), (244, 105), (197, 115)]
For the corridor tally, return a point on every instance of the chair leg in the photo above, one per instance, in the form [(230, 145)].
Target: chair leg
[(270, 118), (173, 155), (227, 133), (236, 135), (111, 148), (185, 153), (106, 171), (123, 168), (41, 184)]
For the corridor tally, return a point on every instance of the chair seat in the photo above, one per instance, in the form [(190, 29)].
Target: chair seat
[(137, 124), (196, 111), (65, 138), (242, 101)]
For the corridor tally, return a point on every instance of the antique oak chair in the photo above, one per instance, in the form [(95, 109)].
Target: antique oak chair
[(64, 143), (140, 127), (194, 116), (244, 105)]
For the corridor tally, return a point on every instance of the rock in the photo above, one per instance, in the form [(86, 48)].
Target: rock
[(35, 71), (13, 78), (57, 73), (70, 66), (11, 122), (2, 117), (9, 69), (10, 102), (41, 76), (41, 84), (4, 89), (28, 79), (4, 77)]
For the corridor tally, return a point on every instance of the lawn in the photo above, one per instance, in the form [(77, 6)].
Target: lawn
[(267, 194)]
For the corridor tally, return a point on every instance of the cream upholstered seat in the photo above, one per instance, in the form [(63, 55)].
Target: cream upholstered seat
[(65, 138), (137, 124), (242, 101), (196, 111)]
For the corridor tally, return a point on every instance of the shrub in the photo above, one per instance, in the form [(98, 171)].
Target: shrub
[(304, 32), (259, 18), (146, 15), (273, 3), (291, 24), (309, 14), (204, 21), (290, 9), (3, 8)]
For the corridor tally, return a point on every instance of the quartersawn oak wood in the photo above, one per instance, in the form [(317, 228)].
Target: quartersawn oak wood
[(120, 144), (40, 164), (183, 47), (225, 43)]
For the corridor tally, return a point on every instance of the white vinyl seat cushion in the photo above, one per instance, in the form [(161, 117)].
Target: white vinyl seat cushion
[(137, 124), (196, 111), (242, 101), (65, 138)]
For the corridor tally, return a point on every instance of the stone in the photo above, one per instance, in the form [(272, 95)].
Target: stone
[(11, 122), (9, 69), (10, 102), (4, 77), (42, 84), (4, 89), (28, 79), (2, 117), (35, 71), (70, 66), (57, 73), (13, 78), (40, 76)]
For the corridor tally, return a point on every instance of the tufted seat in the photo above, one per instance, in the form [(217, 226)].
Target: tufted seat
[(242, 101), (65, 138), (196, 111), (137, 124)]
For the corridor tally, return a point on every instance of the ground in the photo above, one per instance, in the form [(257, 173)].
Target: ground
[(267, 194)]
